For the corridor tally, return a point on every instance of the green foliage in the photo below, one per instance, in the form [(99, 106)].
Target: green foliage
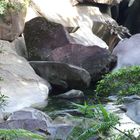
[(100, 121), (123, 82), (126, 135), (5, 5), (11, 134)]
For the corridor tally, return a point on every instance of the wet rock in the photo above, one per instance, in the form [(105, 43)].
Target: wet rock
[(62, 76), (97, 61), (127, 52), (20, 83), (71, 94), (43, 36)]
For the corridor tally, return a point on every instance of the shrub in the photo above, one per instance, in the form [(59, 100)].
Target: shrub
[(6, 4), (125, 81)]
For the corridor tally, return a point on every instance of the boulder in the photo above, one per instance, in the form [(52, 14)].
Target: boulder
[(62, 76), (19, 81), (37, 122), (72, 94), (127, 52), (97, 61), (12, 21), (43, 36)]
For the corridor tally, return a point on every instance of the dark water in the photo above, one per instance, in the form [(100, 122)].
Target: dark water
[(57, 104)]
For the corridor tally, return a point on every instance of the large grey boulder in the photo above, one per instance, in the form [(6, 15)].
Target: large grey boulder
[(128, 52), (62, 76), (19, 81)]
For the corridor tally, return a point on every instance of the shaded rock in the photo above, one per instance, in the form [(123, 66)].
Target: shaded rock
[(43, 36), (108, 2), (132, 21), (110, 31), (62, 76), (97, 61), (130, 99), (12, 22), (129, 15), (127, 52), (71, 94), (30, 113), (133, 111), (20, 83), (20, 47)]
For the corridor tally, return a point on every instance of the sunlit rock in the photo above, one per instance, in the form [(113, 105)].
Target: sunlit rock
[(128, 52), (19, 81)]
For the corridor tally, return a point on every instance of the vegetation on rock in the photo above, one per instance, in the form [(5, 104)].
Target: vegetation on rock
[(97, 122), (5, 5), (11, 134), (123, 82)]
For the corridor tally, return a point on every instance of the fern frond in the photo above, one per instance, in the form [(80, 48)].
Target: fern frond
[(9, 134)]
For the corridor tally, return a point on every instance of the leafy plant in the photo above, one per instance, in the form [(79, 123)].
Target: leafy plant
[(6, 4), (125, 81), (11, 134), (100, 121)]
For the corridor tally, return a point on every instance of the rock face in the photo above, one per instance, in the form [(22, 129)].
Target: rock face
[(19, 81), (127, 52), (12, 23), (95, 60), (62, 76), (42, 36)]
